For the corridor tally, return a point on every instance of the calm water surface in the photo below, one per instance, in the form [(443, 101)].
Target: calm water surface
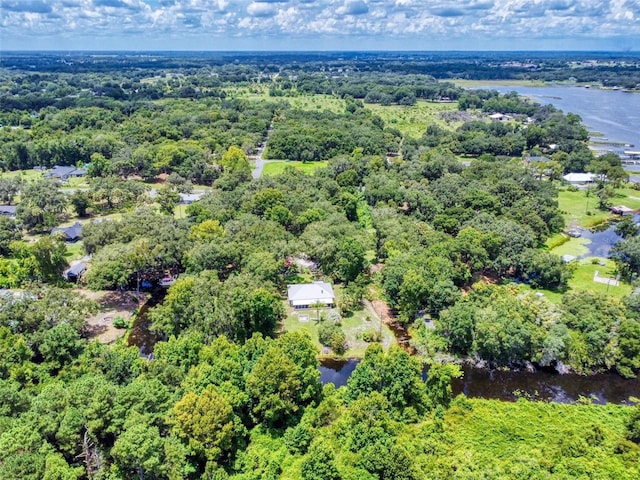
[(614, 113), (511, 385)]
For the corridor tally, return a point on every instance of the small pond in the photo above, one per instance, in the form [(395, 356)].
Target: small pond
[(602, 239)]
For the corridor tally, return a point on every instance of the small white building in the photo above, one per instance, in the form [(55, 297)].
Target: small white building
[(581, 178), (304, 295), (500, 117)]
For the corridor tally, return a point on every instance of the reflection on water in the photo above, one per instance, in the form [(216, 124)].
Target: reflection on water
[(543, 385), (614, 113), (511, 385), (602, 239), (336, 372)]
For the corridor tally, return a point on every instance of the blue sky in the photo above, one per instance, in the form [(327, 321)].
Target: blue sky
[(320, 25)]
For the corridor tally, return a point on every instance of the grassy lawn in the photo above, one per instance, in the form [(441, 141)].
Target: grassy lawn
[(413, 120), (580, 210), (627, 196), (180, 211), (583, 277), (24, 175), (277, 167), (75, 251), (353, 327), (75, 183)]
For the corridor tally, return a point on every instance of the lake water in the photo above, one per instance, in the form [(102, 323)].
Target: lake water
[(613, 113), (510, 385)]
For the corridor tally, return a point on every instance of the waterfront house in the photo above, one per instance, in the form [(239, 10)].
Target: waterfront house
[(306, 295)]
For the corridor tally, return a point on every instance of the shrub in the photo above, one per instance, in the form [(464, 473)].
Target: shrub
[(371, 336), (331, 335), (334, 317), (120, 322)]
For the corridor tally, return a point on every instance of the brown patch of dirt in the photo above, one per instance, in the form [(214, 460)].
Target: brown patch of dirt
[(112, 304), (376, 267)]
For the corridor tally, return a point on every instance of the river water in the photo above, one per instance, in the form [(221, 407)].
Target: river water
[(613, 113), (510, 385)]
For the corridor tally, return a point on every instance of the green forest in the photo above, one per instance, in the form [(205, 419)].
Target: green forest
[(190, 194)]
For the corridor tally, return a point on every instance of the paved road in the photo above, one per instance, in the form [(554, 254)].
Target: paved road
[(257, 170)]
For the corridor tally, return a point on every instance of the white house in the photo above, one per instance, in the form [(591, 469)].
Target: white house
[(304, 295), (581, 178), (500, 117)]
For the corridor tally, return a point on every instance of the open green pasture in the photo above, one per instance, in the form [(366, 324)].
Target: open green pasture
[(318, 102), (413, 120), (277, 167)]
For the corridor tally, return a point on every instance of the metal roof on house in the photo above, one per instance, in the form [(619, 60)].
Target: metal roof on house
[(77, 269), (61, 172), (73, 232), (579, 177), (309, 293)]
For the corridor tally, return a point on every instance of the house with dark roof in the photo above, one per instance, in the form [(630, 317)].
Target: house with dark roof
[(65, 173), (69, 234), (73, 273), (8, 210)]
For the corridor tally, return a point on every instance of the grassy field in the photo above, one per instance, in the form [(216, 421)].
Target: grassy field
[(75, 251), (580, 209), (413, 120), (24, 175), (277, 167), (583, 277), (318, 102), (361, 321)]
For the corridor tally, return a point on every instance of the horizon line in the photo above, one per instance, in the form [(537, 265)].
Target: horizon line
[(116, 50)]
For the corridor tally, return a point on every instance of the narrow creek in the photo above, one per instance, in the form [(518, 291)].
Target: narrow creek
[(507, 385), (141, 335)]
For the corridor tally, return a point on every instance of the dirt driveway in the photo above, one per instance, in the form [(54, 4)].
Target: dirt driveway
[(112, 304)]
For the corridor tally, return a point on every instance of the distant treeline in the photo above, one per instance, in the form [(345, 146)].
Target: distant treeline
[(613, 69)]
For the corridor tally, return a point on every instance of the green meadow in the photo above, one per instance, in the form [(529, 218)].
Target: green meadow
[(277, 167)]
